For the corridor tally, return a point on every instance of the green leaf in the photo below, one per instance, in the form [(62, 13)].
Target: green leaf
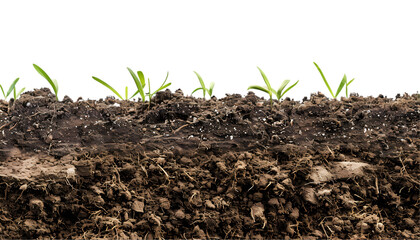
[(162, 87), (200, 79), (53, 84), (210, 90), (139, 84), (343, 82), (45, 75), (347, 87), (142, 79), (20, 92), (202, 84), (2, 91), (269, 88), (282, 86), (134, 94), (108, 86), (260, 88), (325, 80), (289, 88), (195, 90), (12, 86), (150, 95)]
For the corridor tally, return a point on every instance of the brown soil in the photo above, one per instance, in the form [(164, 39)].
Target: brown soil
[(222, 168)]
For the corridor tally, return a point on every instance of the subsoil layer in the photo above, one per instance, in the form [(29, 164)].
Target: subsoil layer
[(221, 168)]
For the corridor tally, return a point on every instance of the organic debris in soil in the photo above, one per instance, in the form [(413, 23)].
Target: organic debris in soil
[(222, 168)]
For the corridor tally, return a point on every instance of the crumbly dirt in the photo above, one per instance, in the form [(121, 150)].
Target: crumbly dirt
[(221, 168)]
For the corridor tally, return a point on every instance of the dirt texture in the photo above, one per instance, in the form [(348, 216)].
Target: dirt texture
[(220, 168)]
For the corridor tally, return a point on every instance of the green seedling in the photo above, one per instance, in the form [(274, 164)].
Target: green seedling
[(141, 84), (53, 83), (12, 88), (115, 91), (270, 91), (340, 87), (209, 90)]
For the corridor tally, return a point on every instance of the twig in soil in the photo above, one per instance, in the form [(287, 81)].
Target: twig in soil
[(13, 127), (5, 125), (409, 177), (191, 178), (178, 129), (144, 170), (6, 190), (68, 183), (161, 168), (190, 200), (267, 186), (323, 228), (119, 178), (332, 153), (250, 188)]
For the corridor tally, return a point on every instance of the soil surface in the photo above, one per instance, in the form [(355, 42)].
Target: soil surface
[(221, 168)]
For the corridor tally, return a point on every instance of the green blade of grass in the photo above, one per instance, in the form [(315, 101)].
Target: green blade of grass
[(150, 95), (12, 86), (266, 81), (2, 91), (210, 90), (282, 86), (134, 94), (325, 80), (18, 94), (343, 82), (142, 78), (260, 88), (202, 84), (195, 90), (45, 75), (108, 86), (163, 86), (347, 87), (139, 84), (289, 88), (55, 84)]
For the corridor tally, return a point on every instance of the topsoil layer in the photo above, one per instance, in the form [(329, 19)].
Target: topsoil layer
[(221, 168)]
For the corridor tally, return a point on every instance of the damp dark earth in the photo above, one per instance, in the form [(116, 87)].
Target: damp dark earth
[(187, 168)]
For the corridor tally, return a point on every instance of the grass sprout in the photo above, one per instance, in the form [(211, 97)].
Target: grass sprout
[(340, 87), (141, 84), (12, 88), (209, 90), (115, 91), (270, 91), (53, 83)]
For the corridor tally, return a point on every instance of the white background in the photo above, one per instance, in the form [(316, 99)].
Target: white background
[(376, 42)]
